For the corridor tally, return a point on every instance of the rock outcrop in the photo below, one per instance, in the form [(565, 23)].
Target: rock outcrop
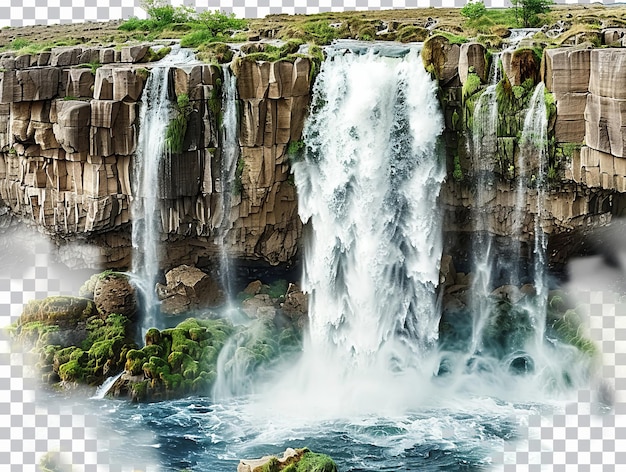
[(289, 461), (68, 138), (584, 185), (188, 289)]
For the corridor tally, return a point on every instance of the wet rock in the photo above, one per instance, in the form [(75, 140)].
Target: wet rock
[(509, 293), (291, 457), (296, 304), (187, 289), (253, 288), (472, 57), (113, 293), (256, 304)]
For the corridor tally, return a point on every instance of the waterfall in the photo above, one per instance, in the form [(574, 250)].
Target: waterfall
[(485, 148), (368, 186), (155, 112), (230, 156), (534, 146)]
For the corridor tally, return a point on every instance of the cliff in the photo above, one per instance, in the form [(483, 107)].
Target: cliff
[(68, 134), (69, 121), (584, 181)]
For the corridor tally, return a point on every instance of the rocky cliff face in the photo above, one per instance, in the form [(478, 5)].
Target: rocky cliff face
[(586, 164), (68, 138)]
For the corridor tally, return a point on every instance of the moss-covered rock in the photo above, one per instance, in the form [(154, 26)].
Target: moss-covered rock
[(75, 343), (293, 460)]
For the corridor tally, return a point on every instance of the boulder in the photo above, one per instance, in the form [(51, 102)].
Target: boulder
[(187, 289), (253, 288), (257, 305), (520, 65), (442, 57), (566, 69), (113, 293), (509, 293), (134, 53), (472, 57), (608, 73), (613, 35), (290, 459), (296, 304), (80, 83)]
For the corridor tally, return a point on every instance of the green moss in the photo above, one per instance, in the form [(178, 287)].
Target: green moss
[(134, 361), (313, 462), (457, 174), (237, 188), (153, 336), (177, 128), (410, 34), (218, 53), (276, 289), (71, 371), (58, 310), (472, 85), (153, 56), (139, 390)]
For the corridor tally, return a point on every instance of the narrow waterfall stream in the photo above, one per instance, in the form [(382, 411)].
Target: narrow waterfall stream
[(155, 112), (230, 154), (534, 144)]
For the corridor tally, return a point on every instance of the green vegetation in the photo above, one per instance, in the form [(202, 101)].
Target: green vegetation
[(457, 174), (166, 20), (94, 66), (473, 9), (527, 11), (177, 128), (238, 183), (472, 85), (73, 341), (313, 462), (160, 16), (303, 461)]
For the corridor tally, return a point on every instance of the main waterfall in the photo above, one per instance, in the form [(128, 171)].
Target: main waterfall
[(368, 187)]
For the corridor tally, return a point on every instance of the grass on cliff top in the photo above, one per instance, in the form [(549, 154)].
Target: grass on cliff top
[(319, 28)]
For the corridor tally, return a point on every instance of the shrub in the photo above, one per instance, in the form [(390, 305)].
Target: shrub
[(473, 9), (528, 10)]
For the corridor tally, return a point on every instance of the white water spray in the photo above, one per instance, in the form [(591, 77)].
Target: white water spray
[(155, 113), (230, 156), (369, 186), (534, 144)]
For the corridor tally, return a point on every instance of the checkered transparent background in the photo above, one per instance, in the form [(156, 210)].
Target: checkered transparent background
[(576, 440), (29, 12)]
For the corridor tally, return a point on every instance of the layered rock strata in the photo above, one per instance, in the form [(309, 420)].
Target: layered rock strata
[(585, 184), (68, 138)]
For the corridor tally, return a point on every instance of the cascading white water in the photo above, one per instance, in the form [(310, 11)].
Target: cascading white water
[(230, 156), (369, 186), (485, 148), (534, 146), (155, 112)]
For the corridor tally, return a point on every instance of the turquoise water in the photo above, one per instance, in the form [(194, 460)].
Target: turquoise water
[(198, 435)]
